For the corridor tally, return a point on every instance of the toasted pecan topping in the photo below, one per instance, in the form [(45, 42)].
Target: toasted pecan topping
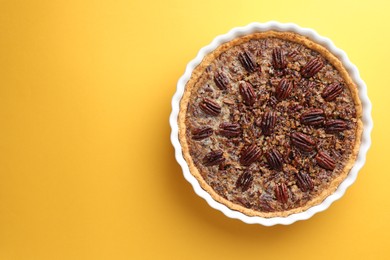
[(221, 80), (250, 154), (332, 91), (281, 193), (335, 126), (210, 107), (312, 67), (202, 133), (248, 61), (313, 116), (284, 89), (325, 161), (229, 129), (303, 142), (244, 181), (213, 158), (304, 181), (247, 93), (274, 159), (278, 59)]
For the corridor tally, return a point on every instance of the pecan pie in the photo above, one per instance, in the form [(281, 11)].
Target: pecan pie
[(270, 123)]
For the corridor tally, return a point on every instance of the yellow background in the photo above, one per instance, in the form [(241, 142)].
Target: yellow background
[(87, 170)]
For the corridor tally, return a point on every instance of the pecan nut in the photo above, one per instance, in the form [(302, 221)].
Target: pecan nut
[(248, 61), (325, 161), (284, 88), (314, 116), (229, 129), (250, 154), (265, 206), (244, 202), (247, 93), (221, 80), (202, 133), (332, 91), (335, 126), (303, 142), (281, 193), (293, 54), (274, 159), (210, 107), (304, 181), (244, 181), (272, 101), (213, 158), (278, 59), (268, 122), (312, 67)]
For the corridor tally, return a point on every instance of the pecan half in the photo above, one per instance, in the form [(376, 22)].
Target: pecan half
[(268, 122), (265, 206), (274, 159), (247, 93), (272, 101), (250, 154), (284, 88), (244, 181), (325, 161), (210, 107), (281, 193), (244, 202), (314, 116), (312, 67), (213, 158), (278, 59), (202, 133), (229, 129), (304, 181), (332, 91), (293, 54), (335, 126), (303, 142), (221, 80), (247, 61)]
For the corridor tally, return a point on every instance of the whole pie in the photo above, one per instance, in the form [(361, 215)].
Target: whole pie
[(270, 123)]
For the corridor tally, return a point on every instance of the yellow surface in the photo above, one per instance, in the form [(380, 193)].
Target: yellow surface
[(86, 166)]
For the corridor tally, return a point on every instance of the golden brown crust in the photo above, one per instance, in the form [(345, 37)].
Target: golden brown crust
[(286, 36)]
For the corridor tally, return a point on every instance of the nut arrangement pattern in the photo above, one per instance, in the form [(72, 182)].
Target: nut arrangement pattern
[(270, 123)]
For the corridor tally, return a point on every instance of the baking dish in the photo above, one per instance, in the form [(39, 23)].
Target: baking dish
[(366, 118)]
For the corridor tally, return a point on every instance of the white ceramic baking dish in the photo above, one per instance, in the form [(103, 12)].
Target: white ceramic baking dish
[(352, 70)]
